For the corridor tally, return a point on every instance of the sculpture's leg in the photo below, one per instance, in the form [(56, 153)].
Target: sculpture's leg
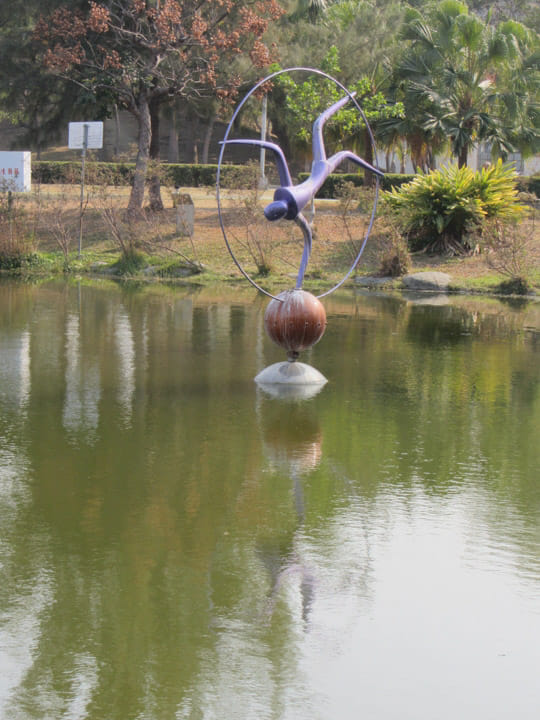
[(301, 221)]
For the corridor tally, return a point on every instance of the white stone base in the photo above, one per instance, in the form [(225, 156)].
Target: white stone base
[(291, 381), (290, 373)]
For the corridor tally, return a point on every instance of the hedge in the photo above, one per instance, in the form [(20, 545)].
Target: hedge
[(391, 180), (177, 175), (335, 182), (102, 173), (51, 172)]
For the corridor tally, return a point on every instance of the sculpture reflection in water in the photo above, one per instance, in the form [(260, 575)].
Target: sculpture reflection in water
[(293, 448), (295, 319)]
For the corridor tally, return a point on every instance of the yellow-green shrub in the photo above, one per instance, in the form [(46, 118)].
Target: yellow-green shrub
[(440, 211)]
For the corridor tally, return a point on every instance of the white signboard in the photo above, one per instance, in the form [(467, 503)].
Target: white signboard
[(15, 171), (76, 135)]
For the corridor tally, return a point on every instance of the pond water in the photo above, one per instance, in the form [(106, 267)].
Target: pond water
[(176, 543)]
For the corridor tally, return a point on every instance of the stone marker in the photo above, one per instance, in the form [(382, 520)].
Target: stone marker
[(427, 281), (185, 213)]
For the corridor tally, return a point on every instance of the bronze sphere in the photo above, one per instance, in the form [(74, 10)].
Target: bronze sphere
[(295, 321)]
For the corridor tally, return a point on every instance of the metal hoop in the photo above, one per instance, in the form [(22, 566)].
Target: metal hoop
[(220, 162)]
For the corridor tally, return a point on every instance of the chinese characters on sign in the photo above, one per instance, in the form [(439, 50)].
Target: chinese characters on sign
[(15, 171)]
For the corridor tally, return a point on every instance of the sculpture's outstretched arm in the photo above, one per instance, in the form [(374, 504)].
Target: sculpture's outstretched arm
[(339, 157), (319, 152), (283, 169)]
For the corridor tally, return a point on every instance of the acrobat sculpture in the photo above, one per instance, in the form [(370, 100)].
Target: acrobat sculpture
[(296, 319)]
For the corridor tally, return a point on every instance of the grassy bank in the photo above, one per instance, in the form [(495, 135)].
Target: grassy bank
[(39, 238)]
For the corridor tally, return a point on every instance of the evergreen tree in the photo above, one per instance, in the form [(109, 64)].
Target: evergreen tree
[(466, 81)]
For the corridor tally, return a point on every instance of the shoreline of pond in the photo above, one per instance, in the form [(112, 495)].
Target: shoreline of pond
[(51, 266)]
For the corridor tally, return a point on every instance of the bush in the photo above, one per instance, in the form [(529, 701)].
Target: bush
[(17, 231), (395, 180), (256, 237), (508, 251), (395, 259), (96, 173), (47, 172), (442, 211), (11, 260), (101, 173), (392, 250), (130, 263), (334, 183), (515, 286)]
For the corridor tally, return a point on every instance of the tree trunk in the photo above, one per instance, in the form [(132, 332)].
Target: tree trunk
[(172, 151), (280, 130), (463, 155), (208, 138), (142, 113), (116, 148), (154, 183), (416, 150), (369, 177)]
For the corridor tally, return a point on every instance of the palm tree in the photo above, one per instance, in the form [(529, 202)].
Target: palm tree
[(310, 10), (463, 80)]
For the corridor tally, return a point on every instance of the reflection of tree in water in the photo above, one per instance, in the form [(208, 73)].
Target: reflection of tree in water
[(107, 570), (82, 393), (27, 587), (432, 323)]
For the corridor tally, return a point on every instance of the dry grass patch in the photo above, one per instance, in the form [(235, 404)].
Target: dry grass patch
[(48, 220)]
